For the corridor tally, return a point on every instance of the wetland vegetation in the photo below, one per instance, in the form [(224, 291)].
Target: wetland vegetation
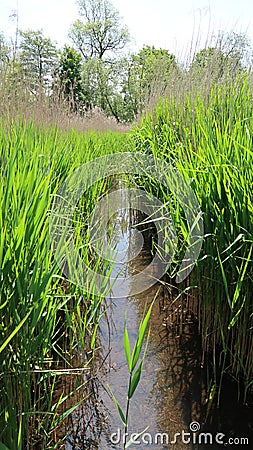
[(197, 118)]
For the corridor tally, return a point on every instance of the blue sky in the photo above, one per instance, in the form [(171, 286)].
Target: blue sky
[(167, 24)]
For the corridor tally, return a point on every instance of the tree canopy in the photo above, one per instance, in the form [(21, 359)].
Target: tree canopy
[(94, 72), (69, 74), (100, 31), (230, 54), (38, 57)]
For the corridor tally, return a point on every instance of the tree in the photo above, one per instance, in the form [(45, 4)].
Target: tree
[(147, 77), (98, 35), (230, 55), (236, 48), (38, 57), (11, 73), (100, 32), (208, 56), (101, 85), (124, 87), (4, 52), (69, 74), (209, 62)]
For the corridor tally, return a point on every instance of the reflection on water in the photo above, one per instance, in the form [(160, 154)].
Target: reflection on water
[(171, 394)]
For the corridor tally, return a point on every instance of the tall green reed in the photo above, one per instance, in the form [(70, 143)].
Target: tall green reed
[(42, 316), (207, 137)]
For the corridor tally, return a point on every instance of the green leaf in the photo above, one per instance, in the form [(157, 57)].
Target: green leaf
[(224, 279), (67, 413), (241, 279), (121, 414), (3, 447), (20, 433), (14, 332), (141, 334), (135, 381), (236, 317), (127, 348)]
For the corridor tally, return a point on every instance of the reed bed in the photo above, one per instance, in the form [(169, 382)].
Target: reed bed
[(44, 319), (207, 135), (205, 131)]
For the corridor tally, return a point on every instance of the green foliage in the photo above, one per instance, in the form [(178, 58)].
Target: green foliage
[(146, 77), (123, 87), (69, 72), (38, 58), (100, 30), (230, 54), (210, 61), (208, 138), (42, 316), (96, 75), (97, 35)]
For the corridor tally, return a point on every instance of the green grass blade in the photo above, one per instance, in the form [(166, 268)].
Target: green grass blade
[(11, 336)]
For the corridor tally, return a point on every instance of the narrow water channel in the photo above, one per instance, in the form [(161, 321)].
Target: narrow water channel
[(171, 398)]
